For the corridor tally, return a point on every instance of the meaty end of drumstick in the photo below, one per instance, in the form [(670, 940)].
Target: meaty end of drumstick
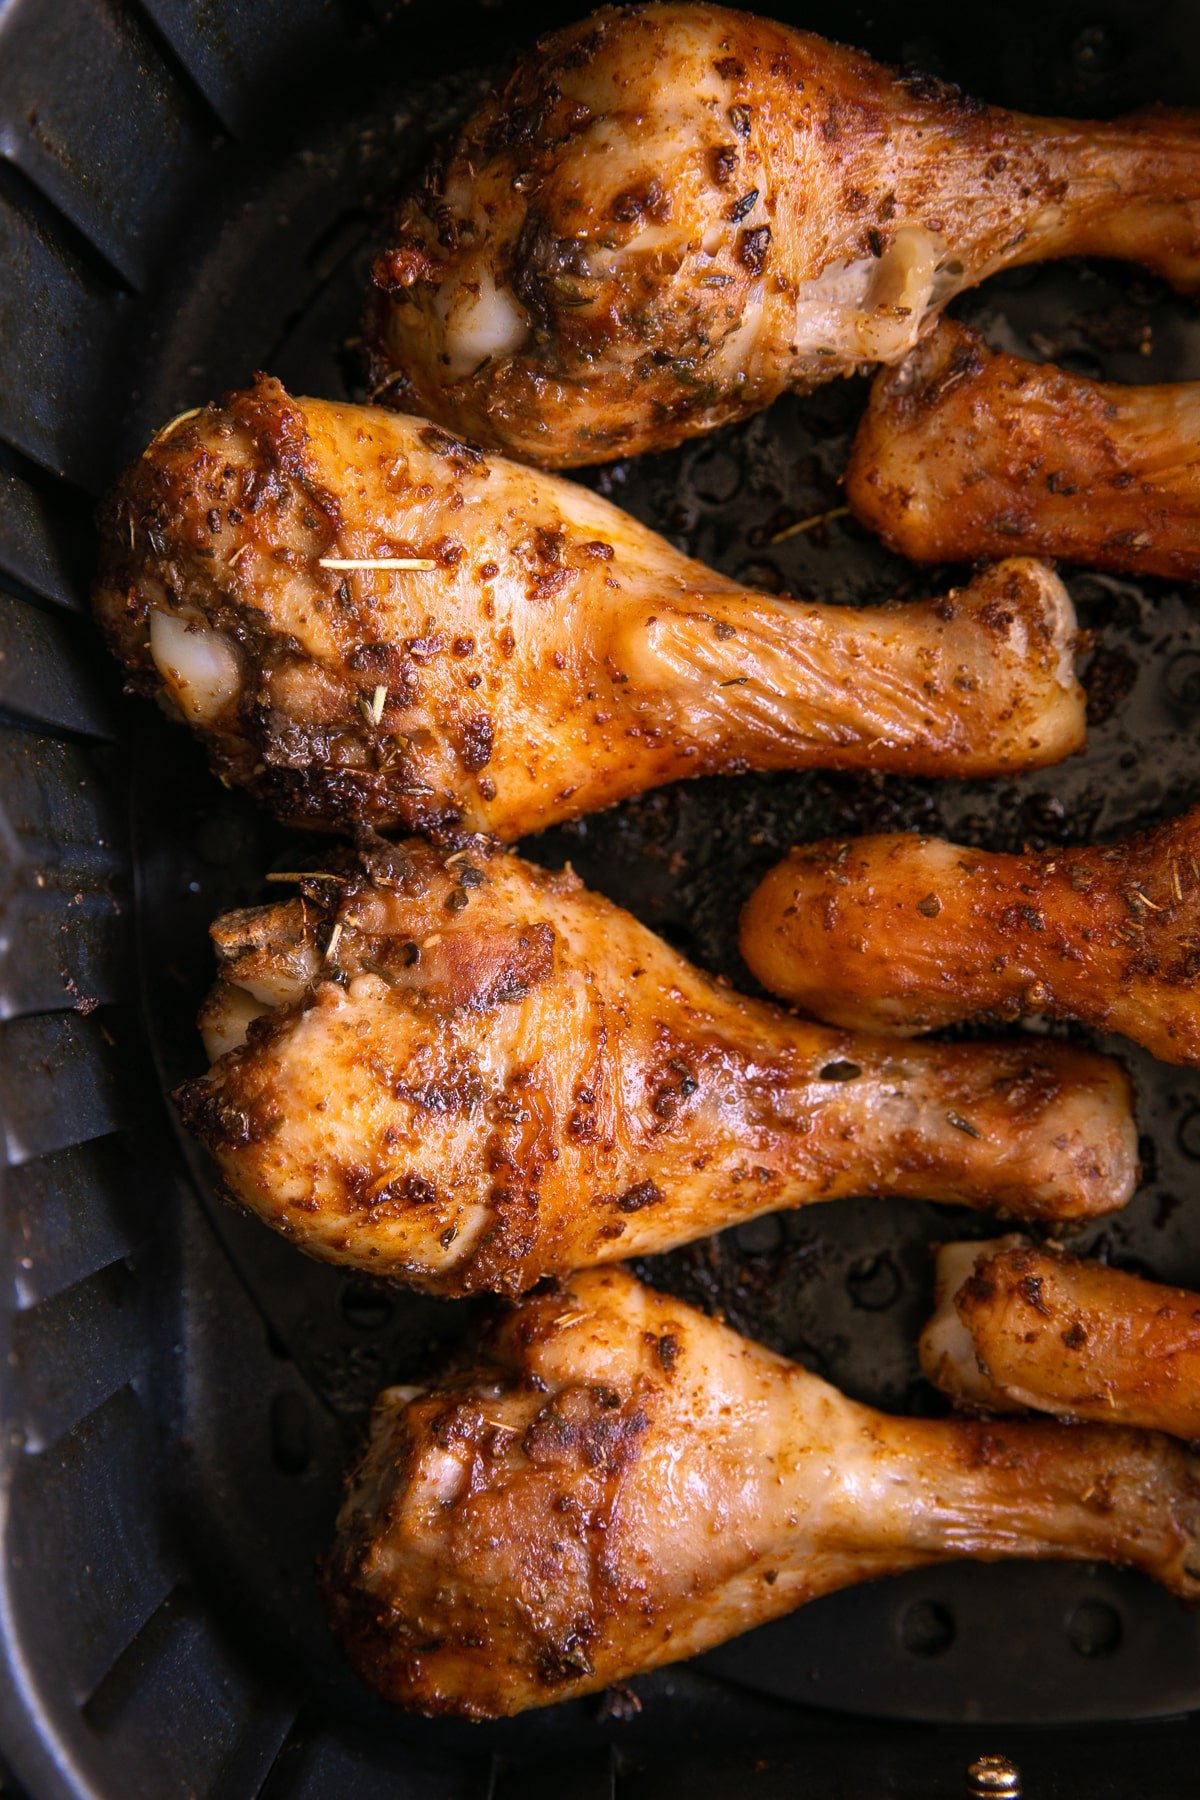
[(618, 1482), (964, 453), (903, 933), (1019, 1327)]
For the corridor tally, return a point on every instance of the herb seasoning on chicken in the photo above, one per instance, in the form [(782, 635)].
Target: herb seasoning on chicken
[(470, 1074), (619, 1482), (367, 619), (963, 453), (906, 934), (670, 215), (1020, 1327)]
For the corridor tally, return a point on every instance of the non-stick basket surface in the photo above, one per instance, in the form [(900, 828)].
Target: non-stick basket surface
[(189, 192)]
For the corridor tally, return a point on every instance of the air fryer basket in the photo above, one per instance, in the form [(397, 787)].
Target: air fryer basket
[(189, 192)]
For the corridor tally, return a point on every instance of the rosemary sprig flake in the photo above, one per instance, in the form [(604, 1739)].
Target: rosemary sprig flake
[(304, 875), (809, 524), (376, 562), (171, 426), (374, 968)]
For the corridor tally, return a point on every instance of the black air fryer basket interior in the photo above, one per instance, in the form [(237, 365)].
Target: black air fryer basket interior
[(189, 190)]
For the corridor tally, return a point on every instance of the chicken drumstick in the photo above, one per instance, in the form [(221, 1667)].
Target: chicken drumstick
[(903, 933), (1018, 1328), (553, 657), (624, 1483), (470, 1074), (963, 453), (669, 215)]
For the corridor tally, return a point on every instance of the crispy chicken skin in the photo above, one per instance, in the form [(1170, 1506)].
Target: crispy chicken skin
[(471, 1073), (1023, 1329), (963, 453), (903, 933), (620, 1482), (669, 215), (556, 658)]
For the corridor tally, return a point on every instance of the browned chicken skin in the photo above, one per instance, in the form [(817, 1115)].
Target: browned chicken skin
[(903, 933), (469, 1074), (620, 1482), (556, 656), (669, 215), (1021, 1329), (963, 453)]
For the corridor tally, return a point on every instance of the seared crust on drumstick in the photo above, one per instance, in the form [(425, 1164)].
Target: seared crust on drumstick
[(964, 453), (670, 215), (470, 1073), (365, 619), (1019, 1328), (618, 1482), (905, 933)]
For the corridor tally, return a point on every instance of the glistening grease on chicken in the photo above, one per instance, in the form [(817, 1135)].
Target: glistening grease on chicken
[(1018, 1328), (963, 453), (669, 215), (619, 1482), (542, 656), (471, 1073), (904, 933)]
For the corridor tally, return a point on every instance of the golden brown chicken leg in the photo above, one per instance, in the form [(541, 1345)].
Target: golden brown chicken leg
[(963, 453), (904, 933), (623, 1482), (555, 656), (669, 215), (1021, 1329), (470, 1074)]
